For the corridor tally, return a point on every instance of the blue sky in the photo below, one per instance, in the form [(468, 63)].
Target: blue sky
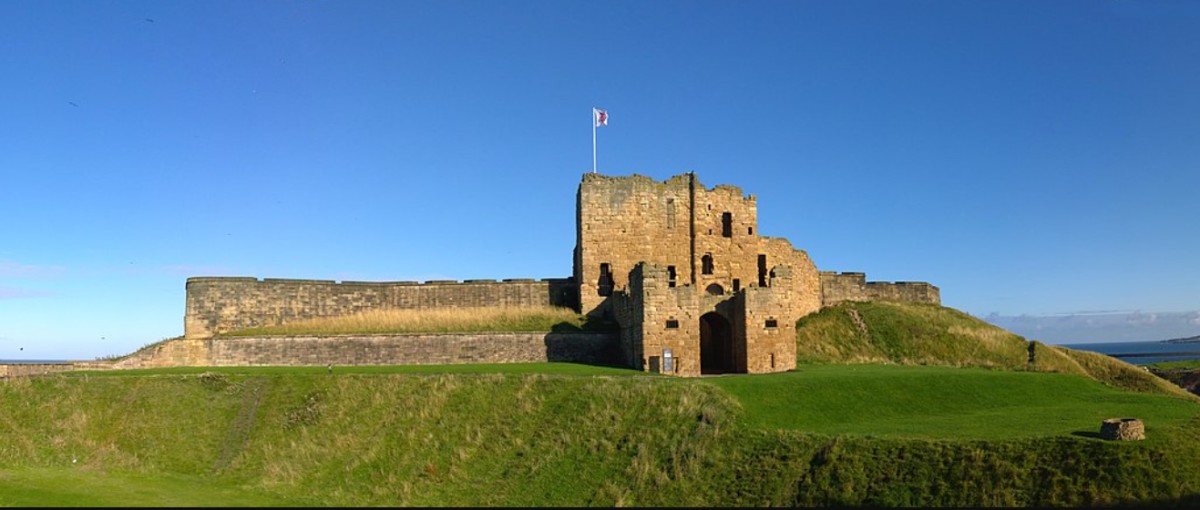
[(1032, 159)]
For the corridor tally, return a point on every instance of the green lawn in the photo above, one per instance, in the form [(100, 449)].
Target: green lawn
[(55, 487), (942, 402), (505, 435), (1166, 365)]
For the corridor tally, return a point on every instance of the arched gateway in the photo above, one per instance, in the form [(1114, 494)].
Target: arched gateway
[(716, 344)]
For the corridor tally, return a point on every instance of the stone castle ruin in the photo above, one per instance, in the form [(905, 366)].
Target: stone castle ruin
[(681, 268)]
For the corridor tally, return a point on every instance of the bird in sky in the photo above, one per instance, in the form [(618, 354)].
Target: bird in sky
[(148, 19), (72, 103)]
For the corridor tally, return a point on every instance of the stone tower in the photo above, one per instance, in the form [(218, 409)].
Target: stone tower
[(684, 272)]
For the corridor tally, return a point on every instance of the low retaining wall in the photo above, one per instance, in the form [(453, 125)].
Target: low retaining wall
[(411, 349), (28, 369)]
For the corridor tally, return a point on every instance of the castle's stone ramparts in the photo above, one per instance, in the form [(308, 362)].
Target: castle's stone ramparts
[(408, 349), (222, 305), (838, 287)]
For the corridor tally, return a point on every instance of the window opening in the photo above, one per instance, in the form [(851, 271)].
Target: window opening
[(772, 324), (726, 224), (762, 270), (670, 213), (737, 285), (749, 231), (706, 264), (715, 290), (670, 276), (672, 324), (604, 286)]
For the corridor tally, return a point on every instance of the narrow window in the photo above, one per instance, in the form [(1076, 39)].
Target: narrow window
[(737, 285), (670, 276), (726, 224), (672, 324), (772, 361), (762, 270), (706, 264), (604, 286), (749, 231), (670, 213), (772, 324)]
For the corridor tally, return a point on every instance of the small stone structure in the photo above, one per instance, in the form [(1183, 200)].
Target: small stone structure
[(1123, 429)]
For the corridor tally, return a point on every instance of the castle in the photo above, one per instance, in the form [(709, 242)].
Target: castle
[(680, 267)]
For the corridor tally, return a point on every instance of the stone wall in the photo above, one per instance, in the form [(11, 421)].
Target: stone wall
[(622, 221), (29, 369), (221, 305), (408, 349), (838, 287), (656, 316), (770, 315), (684, 227)]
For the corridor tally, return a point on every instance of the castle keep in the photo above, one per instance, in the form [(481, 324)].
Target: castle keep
[(680, 267)]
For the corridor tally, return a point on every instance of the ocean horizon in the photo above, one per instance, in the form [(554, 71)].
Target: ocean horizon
[(1144, 352)]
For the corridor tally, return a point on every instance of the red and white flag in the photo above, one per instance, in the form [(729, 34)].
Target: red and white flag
[(600, 116)]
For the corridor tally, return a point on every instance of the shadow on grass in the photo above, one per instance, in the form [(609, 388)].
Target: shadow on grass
[(1088, 434)]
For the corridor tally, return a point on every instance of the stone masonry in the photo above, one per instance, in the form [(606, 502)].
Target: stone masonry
[(398, 349), (222, 305), (681, 267)]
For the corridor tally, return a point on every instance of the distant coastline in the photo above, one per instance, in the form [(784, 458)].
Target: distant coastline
[(1145, 352), (1184, 340)]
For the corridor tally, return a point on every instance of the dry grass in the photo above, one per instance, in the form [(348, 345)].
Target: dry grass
[(460, 320)]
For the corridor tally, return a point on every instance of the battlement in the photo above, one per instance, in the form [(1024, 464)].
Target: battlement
[(853, 286), (218, 305)]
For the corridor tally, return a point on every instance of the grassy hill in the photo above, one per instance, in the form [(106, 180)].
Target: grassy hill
[(923, 334), (927, 407)]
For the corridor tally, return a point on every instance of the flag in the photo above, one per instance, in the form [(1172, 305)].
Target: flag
[(600, 117)]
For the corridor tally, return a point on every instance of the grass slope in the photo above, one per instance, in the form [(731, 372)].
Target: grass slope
[(923, 334), (892, 405), (835, 435)]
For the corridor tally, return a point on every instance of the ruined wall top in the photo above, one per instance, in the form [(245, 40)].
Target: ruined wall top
[(676, 181)]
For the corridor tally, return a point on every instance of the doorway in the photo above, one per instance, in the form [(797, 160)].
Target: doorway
[(716, 344)]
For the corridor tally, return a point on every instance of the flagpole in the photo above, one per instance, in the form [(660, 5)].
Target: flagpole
[(593, 139)]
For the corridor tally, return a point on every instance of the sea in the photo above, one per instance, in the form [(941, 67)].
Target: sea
[(1143, 353)]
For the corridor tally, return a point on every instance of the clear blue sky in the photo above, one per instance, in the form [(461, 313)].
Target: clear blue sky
[(1035, 158)]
